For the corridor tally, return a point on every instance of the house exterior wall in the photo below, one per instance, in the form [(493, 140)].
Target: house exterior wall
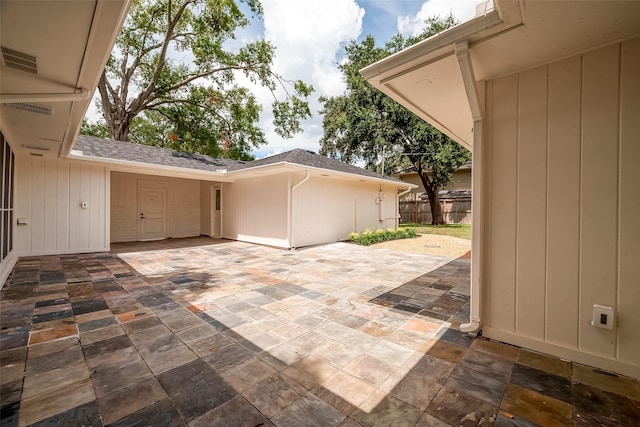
[(48, 195), (183, 205), (461, 181), (205, 208), (562, 203), (256, 210), (326, 209)]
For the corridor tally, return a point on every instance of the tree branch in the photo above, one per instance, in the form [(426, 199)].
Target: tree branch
[(154, 107), (103, 85), (188, 80), (137, 104)]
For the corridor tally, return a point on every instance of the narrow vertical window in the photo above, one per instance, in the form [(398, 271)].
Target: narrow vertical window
[(7, 165)]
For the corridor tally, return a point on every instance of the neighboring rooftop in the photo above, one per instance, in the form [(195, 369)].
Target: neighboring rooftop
[(128, 151), (412, 169)]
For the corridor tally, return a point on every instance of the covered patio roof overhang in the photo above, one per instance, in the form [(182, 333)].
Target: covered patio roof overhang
[(438, 78), (53, 54)]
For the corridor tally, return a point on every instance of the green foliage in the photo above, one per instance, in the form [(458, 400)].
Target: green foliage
[(171, 80), (97, 129), (462, 231), (367, 237), (363, 123)]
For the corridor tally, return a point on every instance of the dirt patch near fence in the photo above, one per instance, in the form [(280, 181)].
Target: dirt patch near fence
[(430, 244)]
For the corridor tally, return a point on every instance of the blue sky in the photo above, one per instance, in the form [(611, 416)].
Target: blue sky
[(310, 36)]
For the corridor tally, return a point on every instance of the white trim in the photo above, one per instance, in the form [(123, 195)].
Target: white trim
[(490, 20), (64, 252), (151, 169), (267, 241), (6, 266), (575, 355), (265, 169)]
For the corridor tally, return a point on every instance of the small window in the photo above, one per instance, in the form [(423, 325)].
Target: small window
[(7, 166), (217, 199)]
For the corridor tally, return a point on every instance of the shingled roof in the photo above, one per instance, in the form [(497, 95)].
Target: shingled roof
[(120, 150), (129, 151), (302, 157)]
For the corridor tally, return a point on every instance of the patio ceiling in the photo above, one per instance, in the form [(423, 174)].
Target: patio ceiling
[(426, 78), (53, 53)]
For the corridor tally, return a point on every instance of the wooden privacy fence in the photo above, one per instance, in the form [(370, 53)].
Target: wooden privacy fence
[(455, 210)]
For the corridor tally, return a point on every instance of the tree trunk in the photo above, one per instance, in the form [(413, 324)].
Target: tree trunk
[(119, 125), (434, 203), (432, 193)]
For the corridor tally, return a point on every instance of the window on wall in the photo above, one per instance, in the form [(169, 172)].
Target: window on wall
[(7, 163)]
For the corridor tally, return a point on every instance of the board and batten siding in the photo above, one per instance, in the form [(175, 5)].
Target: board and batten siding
[(326, 209), (205, 207), (255, 210), (48, 194), (562, 143), (183, 205)]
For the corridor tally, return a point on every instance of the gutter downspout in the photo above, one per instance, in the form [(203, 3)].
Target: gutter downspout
[(469, 80), (398, 206), (305, 179)]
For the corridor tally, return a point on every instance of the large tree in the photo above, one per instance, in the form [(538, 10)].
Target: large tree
[(172, 80), (364, 123)]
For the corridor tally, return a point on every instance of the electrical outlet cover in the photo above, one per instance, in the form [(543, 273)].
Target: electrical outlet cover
[(602, 317)]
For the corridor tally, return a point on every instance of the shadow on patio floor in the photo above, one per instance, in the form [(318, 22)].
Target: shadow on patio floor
[(195, 331)]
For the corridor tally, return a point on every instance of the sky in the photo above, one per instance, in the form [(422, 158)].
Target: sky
[(310, 36)]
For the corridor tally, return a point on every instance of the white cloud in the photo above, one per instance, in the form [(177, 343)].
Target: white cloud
[(462, 10), (308, 35)]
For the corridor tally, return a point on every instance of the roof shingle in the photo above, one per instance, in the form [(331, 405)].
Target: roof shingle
[(128, 151)]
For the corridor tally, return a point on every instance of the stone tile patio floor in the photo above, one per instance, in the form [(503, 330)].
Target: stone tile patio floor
[(205, 333)]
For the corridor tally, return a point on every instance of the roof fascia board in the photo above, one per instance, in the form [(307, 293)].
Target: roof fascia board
[(87, 76), (426, 48), (287, 166), (149, 169)]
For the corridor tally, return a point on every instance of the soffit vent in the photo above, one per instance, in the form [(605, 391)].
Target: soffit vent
[(32, 108), (19, 60)]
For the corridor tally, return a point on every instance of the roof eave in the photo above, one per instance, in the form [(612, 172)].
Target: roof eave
[(433, 48), (152, 169), (288, 166), (456, 120), (107, 23)]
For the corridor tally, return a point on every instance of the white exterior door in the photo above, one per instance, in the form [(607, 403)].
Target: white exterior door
[(216, 211), (152, 218)]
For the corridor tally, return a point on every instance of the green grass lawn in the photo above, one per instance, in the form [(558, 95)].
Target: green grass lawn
[(462, 231)]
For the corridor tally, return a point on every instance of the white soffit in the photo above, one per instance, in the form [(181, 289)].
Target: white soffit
[(436, 94), (70, 41), (516, 36)]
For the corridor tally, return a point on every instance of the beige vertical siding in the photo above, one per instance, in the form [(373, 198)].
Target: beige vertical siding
[(326, 210), (256, 210), (183, 205), (531, 202), (205, 208), (48, 194), (564, 206), (628, 344), (503, 182), (563, 202)]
